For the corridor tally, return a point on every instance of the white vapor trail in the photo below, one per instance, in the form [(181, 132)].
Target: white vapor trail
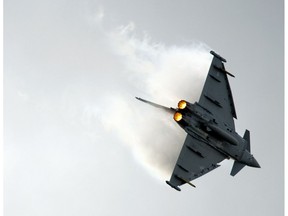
[(163, 75)]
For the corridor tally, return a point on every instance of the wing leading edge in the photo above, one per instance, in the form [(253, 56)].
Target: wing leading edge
[(216, 95)]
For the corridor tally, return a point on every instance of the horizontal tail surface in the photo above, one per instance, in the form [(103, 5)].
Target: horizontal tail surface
[(237, 166)]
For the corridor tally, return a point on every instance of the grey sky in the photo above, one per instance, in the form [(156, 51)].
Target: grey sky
[(78, 143)]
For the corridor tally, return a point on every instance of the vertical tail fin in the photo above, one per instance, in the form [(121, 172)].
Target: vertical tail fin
[(237, 166), (247, 138)]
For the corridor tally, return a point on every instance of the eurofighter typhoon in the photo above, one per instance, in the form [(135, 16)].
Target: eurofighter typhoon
[(211, 135)]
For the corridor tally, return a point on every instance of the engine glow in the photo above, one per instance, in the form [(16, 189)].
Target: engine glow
[(177, 116), (182, 104)]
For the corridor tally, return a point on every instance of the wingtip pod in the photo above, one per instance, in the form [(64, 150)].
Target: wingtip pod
[(217, 56), (173, 186)]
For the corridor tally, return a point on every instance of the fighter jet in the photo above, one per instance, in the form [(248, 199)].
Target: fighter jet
[(209, 124)]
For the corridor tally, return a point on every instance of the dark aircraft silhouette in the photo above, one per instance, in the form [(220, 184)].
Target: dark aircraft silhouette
[(209, 124)]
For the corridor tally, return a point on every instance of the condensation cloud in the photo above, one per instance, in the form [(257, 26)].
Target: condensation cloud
[(162, 74)]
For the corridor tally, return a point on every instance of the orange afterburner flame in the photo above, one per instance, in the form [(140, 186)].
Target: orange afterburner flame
[(182, 104), (177, 116)]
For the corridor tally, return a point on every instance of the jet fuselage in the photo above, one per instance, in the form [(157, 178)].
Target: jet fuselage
[(201, 124)]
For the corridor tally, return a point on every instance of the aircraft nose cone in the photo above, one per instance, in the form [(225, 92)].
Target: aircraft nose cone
[(254, 163)]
